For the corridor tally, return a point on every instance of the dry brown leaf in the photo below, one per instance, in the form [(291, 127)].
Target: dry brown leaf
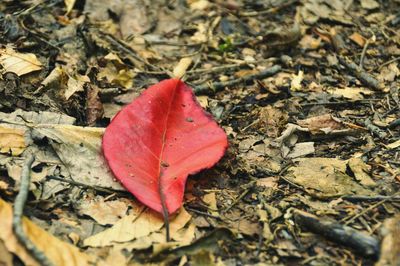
[(360, 171), (133, 226), (116, 72), (295, 84), (358, 39), (211, 200), (79, 149), (310, 43), (75, 84), (6, 258), (104, 212), (393, 145), (351, 93), (180, 69), (301, 149), (19, 63), (325, 178), (199, 4), (203, 101), (59, 252), (389, 73), (269, 182), (12, 140), (94, 106), (272, 120), (369, 4), (322, 123), (390, 246)]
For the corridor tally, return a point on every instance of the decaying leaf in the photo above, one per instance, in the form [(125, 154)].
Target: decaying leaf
[(323, 123), (390, 246), (19, 63), (79, 149), (360, 171), (325, 178), (211, 200), (50, 245)]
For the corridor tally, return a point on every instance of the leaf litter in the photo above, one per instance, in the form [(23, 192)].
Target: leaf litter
[(306, 91)]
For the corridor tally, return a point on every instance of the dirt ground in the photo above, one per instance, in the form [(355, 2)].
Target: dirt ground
[(306, 90)]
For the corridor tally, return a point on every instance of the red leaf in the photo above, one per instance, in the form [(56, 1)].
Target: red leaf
[(155, 142)]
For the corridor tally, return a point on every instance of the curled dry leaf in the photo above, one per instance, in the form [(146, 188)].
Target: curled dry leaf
[(155, 142), (19, 63)]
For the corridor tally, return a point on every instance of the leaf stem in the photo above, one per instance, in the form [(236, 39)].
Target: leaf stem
[(165, 214)]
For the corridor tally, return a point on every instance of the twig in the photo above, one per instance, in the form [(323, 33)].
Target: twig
[(389, 62), (364, 50), (203, 213), (18, 211), (370, 198), (79, 184), (216, 86), (363, 76), (269, 10), (249, 186), (342, 234), (364, 211), (165, 212), (364, 101), (395, 123), (228, 66), (374, 129)]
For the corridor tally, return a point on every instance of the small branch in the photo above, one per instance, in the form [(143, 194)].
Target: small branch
[(370, 198), (18, 211), (362, 75), (79, 184), (374, 129), (364, 50), (341, 234), (395, 123), (217, 86)]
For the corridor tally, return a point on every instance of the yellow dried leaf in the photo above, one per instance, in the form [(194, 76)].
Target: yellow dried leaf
[(19, 63), (59, 252), (130, 227), (358, 39), (12, 140), (69, 4), (182, 66)]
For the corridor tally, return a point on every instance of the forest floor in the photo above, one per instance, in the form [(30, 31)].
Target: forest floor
[(306, 90)]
